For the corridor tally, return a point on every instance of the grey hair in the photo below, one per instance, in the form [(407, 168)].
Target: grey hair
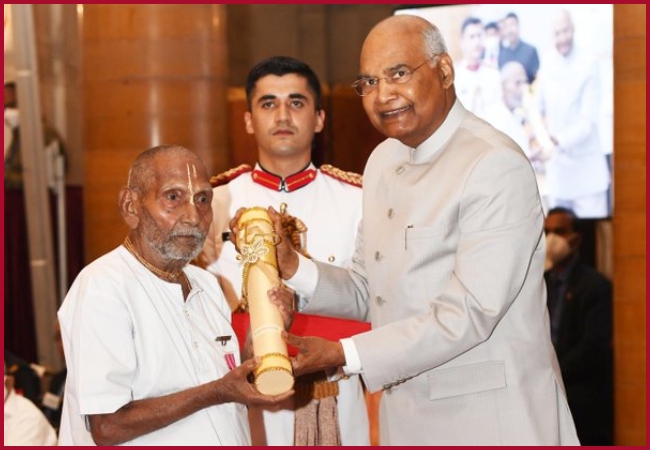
[(434, 43)]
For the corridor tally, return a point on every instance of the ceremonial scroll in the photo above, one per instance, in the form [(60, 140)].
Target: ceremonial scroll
[(256, 241)]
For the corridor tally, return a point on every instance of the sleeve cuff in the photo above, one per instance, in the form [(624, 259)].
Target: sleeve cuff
[(305, 279), (352, 360)]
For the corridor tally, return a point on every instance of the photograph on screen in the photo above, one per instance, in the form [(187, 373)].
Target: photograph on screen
[(542, 74)]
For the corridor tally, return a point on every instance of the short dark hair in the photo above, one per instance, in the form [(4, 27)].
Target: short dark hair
[(492, 26), (469, 21), (279, 66), (575, 221), (512, 15)]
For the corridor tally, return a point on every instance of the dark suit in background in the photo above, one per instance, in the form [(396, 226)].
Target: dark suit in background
[(580, 309)]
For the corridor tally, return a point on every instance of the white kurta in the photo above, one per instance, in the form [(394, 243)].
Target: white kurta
[(449, 265), (25, 424), (569, 98), (331, 210), (477, 89), (128, 335)]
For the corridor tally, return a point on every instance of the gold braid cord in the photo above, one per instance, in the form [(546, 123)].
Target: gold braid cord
[(347, 177)]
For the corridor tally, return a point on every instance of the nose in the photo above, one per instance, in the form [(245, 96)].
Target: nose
[(385, 90), (283, 114), (191, 214)]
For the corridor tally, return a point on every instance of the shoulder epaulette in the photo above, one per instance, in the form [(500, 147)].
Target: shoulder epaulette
[(229, 175), (347, 177)]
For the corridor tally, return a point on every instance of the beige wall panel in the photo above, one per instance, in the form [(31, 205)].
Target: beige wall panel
[(630, 21), (353, 135), (134, 134), (156, 96), (629, 228), (628, 316), (629, 233), (627, 273), (633, 432), (242, 147), (149, 21), (166, 58)]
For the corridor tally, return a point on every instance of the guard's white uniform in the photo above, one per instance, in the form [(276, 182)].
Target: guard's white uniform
[(331, 210)]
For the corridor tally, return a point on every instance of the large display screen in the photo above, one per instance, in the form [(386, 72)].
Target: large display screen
[(542, 74)]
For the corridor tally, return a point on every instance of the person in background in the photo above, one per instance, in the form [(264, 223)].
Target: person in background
[(448, 265), (24, 423), (52, 402), (478, 85), (322, 213), (13, 165), (580, 307), (146, 336), (516, 116), (514, 49), (26, 380), (13, 168), (568, 95), (492, 43)]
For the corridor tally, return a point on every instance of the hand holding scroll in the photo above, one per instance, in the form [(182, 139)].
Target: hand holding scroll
[(287, 257), (314, 353), (235, 387)]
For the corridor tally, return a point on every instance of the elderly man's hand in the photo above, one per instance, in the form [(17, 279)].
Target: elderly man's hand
[(314, 354), (235, 387)]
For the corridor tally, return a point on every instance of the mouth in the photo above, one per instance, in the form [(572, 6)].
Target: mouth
[(394, 113), (192, 237), (282, 132)]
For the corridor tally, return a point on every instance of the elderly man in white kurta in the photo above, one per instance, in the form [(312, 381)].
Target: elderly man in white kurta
[(150, 352)]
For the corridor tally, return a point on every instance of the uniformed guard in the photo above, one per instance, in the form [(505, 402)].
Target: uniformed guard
[(322, 210)]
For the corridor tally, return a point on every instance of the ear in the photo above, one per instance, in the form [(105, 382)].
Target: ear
[(248, 122), (129, 206), (446, 67), (320, 121)]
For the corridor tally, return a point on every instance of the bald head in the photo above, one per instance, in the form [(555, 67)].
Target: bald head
[(563, 32), (407, 30), (512, 70), (513, 81), (144, 170)]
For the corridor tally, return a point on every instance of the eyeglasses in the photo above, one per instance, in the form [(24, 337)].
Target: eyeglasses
[(398, 75)]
